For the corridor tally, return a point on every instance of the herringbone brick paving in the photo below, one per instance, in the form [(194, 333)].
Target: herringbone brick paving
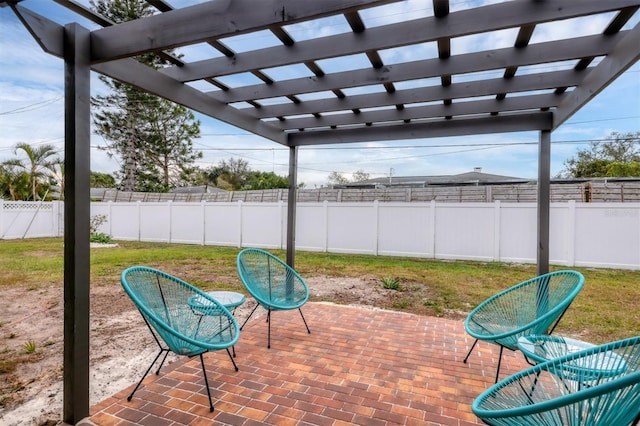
[(359, 366)]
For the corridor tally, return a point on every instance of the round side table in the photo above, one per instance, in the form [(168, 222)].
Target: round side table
[(543, 348), (229, 299)]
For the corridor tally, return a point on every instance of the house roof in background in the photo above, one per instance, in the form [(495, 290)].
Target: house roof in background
[(475, 177), (198, 189)]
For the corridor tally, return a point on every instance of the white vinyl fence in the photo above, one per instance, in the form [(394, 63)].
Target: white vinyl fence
[(28, 219), (582, 234)]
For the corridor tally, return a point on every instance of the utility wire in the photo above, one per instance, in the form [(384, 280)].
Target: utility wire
[(32, 107)]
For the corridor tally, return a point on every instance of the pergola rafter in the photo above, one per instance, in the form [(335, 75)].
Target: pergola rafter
[(528, 84), (273, 107)]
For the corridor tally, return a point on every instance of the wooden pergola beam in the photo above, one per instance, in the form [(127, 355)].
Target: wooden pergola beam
[(625, 53), (224, 18), (466, 22), (553, 51), (517, 103), (524, 83), (521, 122)]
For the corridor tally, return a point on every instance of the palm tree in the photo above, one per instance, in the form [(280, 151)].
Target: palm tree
[(41, 164), (13, 181)]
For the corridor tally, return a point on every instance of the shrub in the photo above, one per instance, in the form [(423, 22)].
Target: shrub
[(391, 283), (99, 237), (94, 224), (30, 346)]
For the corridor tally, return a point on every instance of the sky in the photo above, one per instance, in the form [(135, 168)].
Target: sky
[(32, 109)]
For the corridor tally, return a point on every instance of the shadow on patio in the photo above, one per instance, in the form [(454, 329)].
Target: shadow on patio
[(359, 366)]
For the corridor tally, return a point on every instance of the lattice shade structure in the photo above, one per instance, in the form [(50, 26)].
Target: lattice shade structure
[(297, 92)]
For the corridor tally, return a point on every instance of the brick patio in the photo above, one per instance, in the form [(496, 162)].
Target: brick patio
[(359, 366)]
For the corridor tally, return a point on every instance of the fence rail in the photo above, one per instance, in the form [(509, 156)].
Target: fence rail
[(605, 235), (580, 192)]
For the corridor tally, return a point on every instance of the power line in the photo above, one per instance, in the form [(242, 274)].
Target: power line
[(32, 107), (463, 145)]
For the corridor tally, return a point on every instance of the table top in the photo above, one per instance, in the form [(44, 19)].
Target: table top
[(230, 299), (544, 348)]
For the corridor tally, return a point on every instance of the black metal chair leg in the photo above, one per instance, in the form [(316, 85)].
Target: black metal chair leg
[(305, 321), (147, 372), (231, 357), (245, 321), (162, 363), (499, 362), (206, 382), (469, 353), (269, 329)]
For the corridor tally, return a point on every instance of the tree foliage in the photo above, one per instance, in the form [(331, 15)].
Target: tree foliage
[(14, 182), (102, 180), (29, 178), (338, 178), (236, 175), (266, 180), (617, 156), (151, 136)]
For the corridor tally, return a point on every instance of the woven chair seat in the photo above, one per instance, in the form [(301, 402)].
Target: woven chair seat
[(570, 390), (532, 307), (273, 284), (166, 305)]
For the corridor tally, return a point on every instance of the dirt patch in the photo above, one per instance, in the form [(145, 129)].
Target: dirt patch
[(121, 347)]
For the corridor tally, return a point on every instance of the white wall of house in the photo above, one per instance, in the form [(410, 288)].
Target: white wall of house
[(582, 234)]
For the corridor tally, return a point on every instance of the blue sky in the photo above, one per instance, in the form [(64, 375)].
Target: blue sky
[(32, 108)]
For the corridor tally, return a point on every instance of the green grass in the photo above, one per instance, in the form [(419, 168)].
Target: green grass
[(605, 310)]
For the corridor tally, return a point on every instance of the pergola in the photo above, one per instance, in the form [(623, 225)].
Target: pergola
[(295, 99)]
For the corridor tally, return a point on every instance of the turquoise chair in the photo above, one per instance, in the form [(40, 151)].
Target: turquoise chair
[(533, 307), (176, 326), (273, 284), (565, 391)]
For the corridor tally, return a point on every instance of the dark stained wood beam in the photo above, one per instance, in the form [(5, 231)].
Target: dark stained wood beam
[(625, 53), (553, 51), (524, 83), (429, 129), (518, 103), (489, 18), (185, 26)]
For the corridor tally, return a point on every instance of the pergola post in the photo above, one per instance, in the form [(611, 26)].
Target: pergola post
[(76, 224), (291, 206), (544, 188)]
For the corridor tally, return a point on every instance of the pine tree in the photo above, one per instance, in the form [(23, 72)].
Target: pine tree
[(151, 136)]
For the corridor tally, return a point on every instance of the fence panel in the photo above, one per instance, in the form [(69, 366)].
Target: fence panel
[(154, 221), (581, 234), (352, 228), (186, 223), (608, 235), (518, 232), (222, 224), (28, 219), (311, 226), (262, 225), (405, 229), (125, 221), (465, 231)]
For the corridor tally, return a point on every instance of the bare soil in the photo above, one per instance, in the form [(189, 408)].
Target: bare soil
[(120, 348)]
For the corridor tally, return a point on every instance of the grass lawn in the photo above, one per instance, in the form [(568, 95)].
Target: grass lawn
[(606, 309)]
